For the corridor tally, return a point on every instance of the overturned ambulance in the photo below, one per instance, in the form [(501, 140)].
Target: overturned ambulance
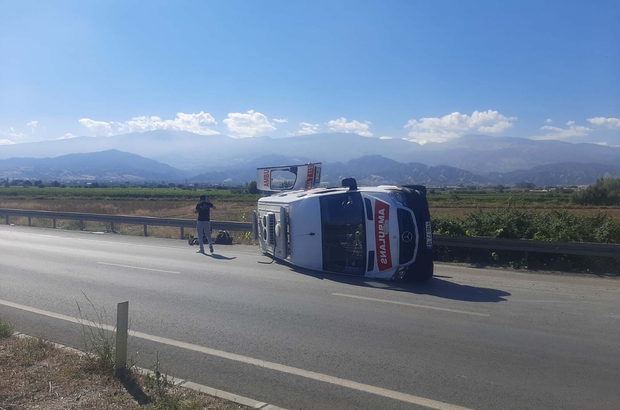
[(378, 232)]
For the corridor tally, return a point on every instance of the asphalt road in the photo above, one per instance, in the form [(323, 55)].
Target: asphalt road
[(474, 338)]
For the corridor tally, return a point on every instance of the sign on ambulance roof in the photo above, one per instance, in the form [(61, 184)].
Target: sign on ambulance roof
[(307, 176)]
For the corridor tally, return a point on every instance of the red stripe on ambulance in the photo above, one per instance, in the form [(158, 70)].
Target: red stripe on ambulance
[(267, 179), (382, 235)]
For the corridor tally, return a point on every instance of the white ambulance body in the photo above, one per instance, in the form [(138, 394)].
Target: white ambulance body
[(378, 232)]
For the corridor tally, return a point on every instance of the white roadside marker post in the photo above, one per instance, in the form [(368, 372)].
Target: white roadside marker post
[(122, 324)]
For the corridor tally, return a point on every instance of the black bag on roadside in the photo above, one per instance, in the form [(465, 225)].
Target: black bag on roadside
[(223, 238)]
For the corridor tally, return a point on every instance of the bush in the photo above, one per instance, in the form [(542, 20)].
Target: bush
[(449, 226), (6, 330), (604, 192), (560, 226)]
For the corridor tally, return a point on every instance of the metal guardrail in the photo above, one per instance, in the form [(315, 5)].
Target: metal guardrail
[(522, 245), (145, 221), (528, 245)]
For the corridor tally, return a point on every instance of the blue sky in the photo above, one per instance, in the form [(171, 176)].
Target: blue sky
[(427, 71)]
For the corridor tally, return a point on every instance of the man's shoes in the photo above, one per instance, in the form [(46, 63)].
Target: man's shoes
[(211, 249), (201, 251)]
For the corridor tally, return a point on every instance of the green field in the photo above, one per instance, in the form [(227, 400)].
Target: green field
[(463, 198), (116, 193), (490, 197)]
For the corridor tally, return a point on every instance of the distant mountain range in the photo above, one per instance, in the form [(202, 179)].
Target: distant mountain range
[(200, 154), (116, 166), (567, 173), (111, 165)]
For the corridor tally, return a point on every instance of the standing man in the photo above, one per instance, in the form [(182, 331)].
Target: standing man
[(203, 226)]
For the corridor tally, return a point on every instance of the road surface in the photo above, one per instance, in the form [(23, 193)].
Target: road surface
[(472, 338)]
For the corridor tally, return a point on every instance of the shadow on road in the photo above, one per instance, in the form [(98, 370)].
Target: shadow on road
[(438, 286), (451, 290), (218, 256)]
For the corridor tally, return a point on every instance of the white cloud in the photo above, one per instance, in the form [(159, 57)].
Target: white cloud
[(249, 124), (548, 120), (354, 127), (500, 126), (454, 125), (557, 133), (198, 123), (613, 123), (385, 137), (32, 125), (606, 144), (308, 129), (280, 120), (67, 136), (97, 127), (433, 136), (14, 134), (6, 142)]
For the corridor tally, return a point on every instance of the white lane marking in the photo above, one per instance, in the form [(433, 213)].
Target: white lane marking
[(111, 242), (94, 240), (45, 236), (379, 391), (542, 301), (412, 305), (137, 267)]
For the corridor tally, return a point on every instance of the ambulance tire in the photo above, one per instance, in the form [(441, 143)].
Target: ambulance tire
[(421, 271)]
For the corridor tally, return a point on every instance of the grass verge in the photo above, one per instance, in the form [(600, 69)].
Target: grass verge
[(38, 374)]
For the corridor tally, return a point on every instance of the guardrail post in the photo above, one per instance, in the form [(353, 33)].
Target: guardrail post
[(54, 223), (6, 219), (112, 227), (182, 232), (81, 225), (527, 260), (122, 324), (29, 221), (145, 232)]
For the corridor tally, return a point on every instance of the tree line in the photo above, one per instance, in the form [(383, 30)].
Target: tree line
[(604, 192)]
